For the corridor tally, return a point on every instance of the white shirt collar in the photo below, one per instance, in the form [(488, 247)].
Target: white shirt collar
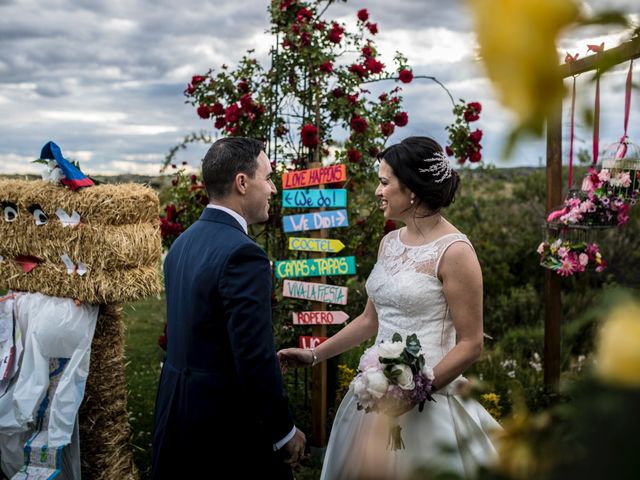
[(234, 214)]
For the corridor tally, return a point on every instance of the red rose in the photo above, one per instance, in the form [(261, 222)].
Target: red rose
[(373, 28), (326, 67), (472, 112), (197, 80), (387, 128), (243, 87), (194, 179), (337, 92), (309, 136), (363, 15), (405, 75), (359, 124), (373, 65), (383, 97), (246, 102), (476, 135), (203, 111), (354, 155), (352, 99), (475, 156), (319, 26), (367, 51), (217, 109), (358, 70), (170, 212), (286, 43), (401, 119), (285, 4), (220, 122), (232, 131), (305, 39), (335, 34), (374, 151), (304, 14), (389, 226), (448, 150), (233, 113), (190, 89)]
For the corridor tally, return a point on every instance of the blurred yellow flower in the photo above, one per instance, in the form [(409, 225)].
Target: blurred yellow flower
[(618, 347), (518, 48), (345, 375), (491, 402)]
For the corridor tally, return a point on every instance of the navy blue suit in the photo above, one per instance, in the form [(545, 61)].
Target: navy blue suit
[(220, 399)]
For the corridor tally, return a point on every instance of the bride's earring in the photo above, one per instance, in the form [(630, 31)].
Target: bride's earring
[(412, 201)]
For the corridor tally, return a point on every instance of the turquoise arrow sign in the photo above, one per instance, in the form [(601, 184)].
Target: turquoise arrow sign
[(316, 267), (317, 198), (315, 221)]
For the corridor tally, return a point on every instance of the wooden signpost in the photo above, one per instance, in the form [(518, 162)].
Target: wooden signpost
[(321, 317), (325, 245), (315, 221), (314, 176), (319, 198), (318, 292), (316, 267)]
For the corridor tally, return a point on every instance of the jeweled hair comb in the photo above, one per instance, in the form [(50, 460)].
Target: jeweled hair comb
[(440, 170)]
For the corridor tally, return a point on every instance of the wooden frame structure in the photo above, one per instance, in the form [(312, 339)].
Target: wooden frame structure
[(552, 284)]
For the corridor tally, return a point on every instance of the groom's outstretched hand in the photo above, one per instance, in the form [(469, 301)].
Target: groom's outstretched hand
[(294, 358), (294, 448)]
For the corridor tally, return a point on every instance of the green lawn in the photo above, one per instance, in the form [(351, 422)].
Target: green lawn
[(144, 322)]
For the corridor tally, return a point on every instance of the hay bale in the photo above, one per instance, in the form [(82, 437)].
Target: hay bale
[(95, 287), (101, 204), (100, 247), (104, 420)]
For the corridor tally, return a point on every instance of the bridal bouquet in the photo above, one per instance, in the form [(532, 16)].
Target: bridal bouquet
[(392, 379)]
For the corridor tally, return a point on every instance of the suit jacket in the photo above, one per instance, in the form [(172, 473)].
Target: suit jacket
[(220, 397)]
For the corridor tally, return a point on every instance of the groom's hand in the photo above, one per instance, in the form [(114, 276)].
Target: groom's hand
[(294, 448), (294, 358)]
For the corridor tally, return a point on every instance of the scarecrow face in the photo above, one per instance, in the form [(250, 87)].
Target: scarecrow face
[(99, 244)]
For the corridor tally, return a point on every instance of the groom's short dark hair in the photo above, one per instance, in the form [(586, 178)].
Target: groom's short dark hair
[(226, 158)]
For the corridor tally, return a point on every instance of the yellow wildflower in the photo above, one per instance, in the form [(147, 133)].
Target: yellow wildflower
[(618, 347), (344, 377), (517, 41), (491, 402)]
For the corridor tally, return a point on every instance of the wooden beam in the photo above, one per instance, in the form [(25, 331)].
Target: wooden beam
[(552, 284), (604, 60)]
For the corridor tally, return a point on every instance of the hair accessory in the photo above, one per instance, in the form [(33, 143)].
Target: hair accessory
[(441, 169)]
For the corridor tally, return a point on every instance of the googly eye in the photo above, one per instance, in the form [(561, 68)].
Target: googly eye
[(39, 216), (10, 211)]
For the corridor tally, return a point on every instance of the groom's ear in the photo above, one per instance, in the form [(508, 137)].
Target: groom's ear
[(240, 183)]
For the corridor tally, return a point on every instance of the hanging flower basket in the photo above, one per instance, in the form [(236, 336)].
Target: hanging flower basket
[(569, 250), (620, 168)]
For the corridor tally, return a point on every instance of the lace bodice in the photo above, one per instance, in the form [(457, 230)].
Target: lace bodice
[(408, 296)]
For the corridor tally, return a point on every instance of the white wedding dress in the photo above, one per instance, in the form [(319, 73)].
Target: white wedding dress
[(451, 434)]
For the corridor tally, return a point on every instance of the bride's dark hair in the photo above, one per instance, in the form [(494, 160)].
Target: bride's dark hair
[(417, 162)]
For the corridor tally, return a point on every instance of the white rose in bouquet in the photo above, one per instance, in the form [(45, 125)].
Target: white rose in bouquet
[(405, 379), (377, 382), (390, 349)]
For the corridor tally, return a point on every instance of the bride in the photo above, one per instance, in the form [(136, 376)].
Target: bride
[(427, 281)]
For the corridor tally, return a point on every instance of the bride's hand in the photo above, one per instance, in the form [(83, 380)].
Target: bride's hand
[(294, 358)]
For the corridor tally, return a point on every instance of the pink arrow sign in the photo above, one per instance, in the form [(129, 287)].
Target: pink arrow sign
[(319, 318), (306, 342)]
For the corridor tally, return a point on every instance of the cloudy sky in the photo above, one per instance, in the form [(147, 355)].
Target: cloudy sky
[(104, 78)]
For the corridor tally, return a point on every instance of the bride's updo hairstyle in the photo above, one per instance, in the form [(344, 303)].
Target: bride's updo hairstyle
[(422, 167)]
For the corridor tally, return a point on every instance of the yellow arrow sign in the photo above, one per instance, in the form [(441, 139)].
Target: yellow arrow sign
[(327, 245)]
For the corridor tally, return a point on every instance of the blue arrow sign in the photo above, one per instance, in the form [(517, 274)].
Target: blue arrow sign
[(316, 267), (315, 221), (318, 198)]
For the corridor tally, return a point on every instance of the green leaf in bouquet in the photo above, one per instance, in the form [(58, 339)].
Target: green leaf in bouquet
[(390, 373), (396, 337), (389, 361)]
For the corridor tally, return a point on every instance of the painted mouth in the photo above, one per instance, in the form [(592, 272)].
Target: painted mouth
[(28, 262)]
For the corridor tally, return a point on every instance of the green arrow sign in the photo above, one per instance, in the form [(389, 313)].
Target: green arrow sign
[(316, 267)]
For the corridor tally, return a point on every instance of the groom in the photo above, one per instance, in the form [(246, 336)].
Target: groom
[(221, 403)]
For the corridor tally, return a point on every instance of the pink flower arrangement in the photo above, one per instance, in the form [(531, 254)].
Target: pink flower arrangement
[(604, 201), (568, 258)]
